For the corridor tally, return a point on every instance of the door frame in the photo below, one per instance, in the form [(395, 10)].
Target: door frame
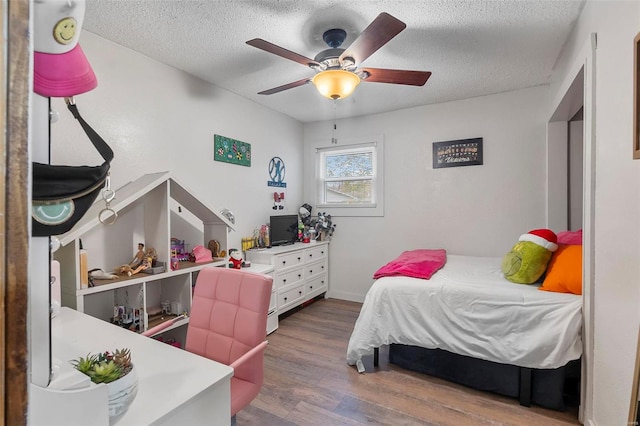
[(14, 217), (578, 87)]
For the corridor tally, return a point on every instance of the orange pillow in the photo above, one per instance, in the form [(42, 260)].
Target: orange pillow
[(564, 273)]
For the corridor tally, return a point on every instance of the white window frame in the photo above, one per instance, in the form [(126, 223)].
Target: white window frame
[(376, 207)]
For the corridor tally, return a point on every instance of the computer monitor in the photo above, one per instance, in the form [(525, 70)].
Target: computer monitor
[(283, 229)]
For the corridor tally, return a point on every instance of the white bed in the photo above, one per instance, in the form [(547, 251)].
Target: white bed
[(469, 308)]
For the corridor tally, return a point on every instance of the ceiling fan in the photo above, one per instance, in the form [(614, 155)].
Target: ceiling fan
[(337, 72)]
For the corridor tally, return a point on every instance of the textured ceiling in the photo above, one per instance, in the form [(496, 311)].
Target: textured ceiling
[(473, 48)]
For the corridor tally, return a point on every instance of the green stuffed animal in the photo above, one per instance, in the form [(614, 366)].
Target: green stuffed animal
[(528, 259)]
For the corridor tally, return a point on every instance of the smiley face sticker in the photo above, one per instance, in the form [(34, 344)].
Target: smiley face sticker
[(65, 30)]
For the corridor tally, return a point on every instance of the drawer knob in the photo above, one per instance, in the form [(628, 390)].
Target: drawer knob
[(284, 280), (311, 271), (285, 299), (299, 275), (311, 287), (300, 291), (322, 252), (310, 255), (322, 267), (284, 262), (298, 257)]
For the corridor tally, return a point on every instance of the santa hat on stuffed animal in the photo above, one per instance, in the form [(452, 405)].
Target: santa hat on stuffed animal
[(543, 237)]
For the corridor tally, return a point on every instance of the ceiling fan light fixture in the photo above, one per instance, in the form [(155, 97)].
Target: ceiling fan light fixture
[(336, 84), (348, 64)]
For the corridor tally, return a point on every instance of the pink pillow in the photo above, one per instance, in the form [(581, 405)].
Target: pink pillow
[(572, 238), (202, 254)]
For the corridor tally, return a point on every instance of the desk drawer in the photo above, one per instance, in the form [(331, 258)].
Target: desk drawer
[(316, 253), (314, 269), (272, 301), (272, 322), (316, 286), (290, 297), (289, 260), (284, 279)]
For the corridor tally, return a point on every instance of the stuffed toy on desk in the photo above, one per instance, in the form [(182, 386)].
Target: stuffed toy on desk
[(528, 259), (235, 259)]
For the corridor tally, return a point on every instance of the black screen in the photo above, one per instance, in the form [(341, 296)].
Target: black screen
[(283, 229)]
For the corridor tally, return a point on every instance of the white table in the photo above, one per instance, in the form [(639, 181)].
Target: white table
[(174, 386)]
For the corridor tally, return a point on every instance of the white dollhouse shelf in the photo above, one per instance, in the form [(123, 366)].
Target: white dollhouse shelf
[(133, 192), (151, 210)]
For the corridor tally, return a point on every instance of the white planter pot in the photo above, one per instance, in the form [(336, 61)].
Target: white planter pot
[(122, 392)]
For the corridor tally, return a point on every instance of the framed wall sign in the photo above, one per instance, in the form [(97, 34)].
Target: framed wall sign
[(276, 173), (636, 98), (462, 152), (231, 151)]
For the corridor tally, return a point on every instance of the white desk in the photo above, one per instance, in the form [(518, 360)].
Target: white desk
[(272, 315), (174, 386)]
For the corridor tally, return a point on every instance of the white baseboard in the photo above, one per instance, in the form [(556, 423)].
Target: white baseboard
[(342, 295)]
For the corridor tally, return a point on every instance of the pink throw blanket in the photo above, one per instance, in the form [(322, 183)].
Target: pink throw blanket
[(421, 263)]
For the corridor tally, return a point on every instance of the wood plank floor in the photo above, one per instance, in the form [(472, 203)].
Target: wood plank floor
[(308, 382)]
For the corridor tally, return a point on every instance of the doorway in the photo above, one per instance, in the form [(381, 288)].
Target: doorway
[(571, 187), (575, 170)]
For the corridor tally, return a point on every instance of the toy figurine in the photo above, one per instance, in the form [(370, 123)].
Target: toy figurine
[(151, 256), (304, 212), (129, 271), (214, 246), (138, 258), (235, 259)]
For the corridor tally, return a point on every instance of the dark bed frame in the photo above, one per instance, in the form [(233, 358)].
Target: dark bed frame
[(548, 388)]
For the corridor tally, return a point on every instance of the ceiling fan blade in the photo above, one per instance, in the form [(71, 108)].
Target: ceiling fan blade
[(377, 34), (285, 87), (281, 51), (411, 78)]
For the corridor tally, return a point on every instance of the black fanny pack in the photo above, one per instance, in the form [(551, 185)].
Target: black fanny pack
[(61, 195)]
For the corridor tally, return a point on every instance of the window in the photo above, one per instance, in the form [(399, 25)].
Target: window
[(349, 179)]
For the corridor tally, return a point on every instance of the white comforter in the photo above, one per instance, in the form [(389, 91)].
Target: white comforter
[(469, 308)]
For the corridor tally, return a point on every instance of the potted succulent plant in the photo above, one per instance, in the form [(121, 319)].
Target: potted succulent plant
[(116, 370)]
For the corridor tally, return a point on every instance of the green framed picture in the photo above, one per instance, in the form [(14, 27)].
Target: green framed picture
[(231, 151)]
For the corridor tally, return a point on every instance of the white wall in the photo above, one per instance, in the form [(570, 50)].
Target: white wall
[(617, 203), (471, 210), (157, 118), (576, 138)]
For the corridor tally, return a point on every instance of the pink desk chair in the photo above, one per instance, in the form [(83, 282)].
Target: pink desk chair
[(228, 324)]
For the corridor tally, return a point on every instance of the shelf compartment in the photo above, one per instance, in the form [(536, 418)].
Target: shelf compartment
[(170, 295), (123, 281), (154, 320)]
